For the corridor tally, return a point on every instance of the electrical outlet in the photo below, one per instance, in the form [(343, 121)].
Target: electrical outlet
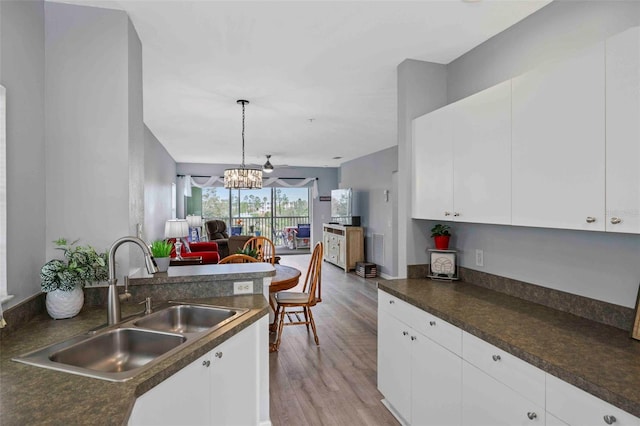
[(479, 258), (243, 287)]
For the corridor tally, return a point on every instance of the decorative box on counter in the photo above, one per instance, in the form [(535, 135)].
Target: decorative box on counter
[(443, 264), (366, 270)]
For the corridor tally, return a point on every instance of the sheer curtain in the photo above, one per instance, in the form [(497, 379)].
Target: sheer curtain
[(187, 182)]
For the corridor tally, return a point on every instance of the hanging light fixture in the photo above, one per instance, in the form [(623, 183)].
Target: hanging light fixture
[(241, 177), (268, 167)]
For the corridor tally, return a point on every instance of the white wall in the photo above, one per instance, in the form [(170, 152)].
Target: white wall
[(375, 209), (160, 172), (327, 180), (599, 265), (22, 73)]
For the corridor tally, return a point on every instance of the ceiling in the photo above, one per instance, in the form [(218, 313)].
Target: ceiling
[(320, 76)]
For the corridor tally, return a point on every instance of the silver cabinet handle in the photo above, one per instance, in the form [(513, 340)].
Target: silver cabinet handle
[(609, 419), (447, 213), (432, 323), (615, 221), (206, 363), (591, 219), (532, 415), (218, 354), (496, 358), (456, 214), (405, 333)]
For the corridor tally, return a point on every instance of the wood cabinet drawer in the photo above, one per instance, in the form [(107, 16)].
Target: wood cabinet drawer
[(519, 375), (579, 408), (396, 307), (438, 330)]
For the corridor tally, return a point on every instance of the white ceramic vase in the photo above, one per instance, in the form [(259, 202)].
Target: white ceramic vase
[(64, 304), (163, 263)]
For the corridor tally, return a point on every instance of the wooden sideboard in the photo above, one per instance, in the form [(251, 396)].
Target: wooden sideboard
[(343, 245)]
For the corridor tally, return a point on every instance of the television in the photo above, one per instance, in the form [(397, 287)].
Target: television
[(343, 207)]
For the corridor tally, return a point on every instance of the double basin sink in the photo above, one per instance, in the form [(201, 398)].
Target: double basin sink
[(118, 354)]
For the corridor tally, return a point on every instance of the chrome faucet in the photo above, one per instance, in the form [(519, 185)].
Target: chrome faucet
[(113, 300)]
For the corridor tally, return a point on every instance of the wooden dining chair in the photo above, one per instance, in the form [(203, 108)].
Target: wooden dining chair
[(291, 304), (265, 248), (238, 258)]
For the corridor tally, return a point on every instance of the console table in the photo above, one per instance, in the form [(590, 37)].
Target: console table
[(343, 245)]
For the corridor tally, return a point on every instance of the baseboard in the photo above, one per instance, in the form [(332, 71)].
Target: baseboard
[(265, 423), (393, 411)]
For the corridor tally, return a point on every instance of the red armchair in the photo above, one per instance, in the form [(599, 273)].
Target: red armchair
[(207, 250)]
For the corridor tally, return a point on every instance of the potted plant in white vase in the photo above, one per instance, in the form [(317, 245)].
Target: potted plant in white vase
[(161, 251), (64, 279)]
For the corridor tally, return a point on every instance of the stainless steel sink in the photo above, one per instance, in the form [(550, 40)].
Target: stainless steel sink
[(115, 355), (120, 352), (189, 318)]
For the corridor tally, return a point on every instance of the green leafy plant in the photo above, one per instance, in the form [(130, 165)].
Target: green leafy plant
[(161, 248), (248, 251), (440, 230), (80, 265)]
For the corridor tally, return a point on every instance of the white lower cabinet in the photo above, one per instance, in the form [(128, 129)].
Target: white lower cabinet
[(219, 388), (432, 373), (579, 408), (418, 377), (488, 402)]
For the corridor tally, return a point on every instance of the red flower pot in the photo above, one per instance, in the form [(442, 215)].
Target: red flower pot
[(442, 242)]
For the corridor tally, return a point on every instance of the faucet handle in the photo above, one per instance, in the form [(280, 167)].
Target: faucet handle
[(147, 305)]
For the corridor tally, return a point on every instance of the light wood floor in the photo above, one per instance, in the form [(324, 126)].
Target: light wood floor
[(334, 383)]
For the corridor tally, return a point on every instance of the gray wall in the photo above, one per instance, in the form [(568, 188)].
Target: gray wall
[(327, 180), (22, 73), (159, 174), (375, 209), (95, 138), (599, 265), (422, 88)]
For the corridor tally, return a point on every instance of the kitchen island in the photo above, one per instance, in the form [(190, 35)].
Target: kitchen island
[(32, 395)]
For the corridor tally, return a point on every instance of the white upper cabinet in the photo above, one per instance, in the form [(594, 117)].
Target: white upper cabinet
[(558, 144), (433, 166), (482, 156), (623, 132), (462, 157)]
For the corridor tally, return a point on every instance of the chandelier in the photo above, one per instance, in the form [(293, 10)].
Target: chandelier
[(241, 177)]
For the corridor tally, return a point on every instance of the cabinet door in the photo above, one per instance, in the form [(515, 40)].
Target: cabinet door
[(487, 402), (432, 166), (623, 132), (234, 379), (558, 125), (394, 368), (181, 399), (436, 379), (482, 156)]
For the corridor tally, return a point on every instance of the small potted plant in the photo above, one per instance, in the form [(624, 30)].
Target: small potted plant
[(161, 251), (64, 279), (441, 235)]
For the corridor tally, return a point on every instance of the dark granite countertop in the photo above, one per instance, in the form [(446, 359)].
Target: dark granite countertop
[(32, 395), (597, 358)]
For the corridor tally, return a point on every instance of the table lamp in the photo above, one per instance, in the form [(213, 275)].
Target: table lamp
[(178, 229), (195, 222)]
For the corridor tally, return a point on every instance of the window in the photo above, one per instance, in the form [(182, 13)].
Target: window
[(265, 210)]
